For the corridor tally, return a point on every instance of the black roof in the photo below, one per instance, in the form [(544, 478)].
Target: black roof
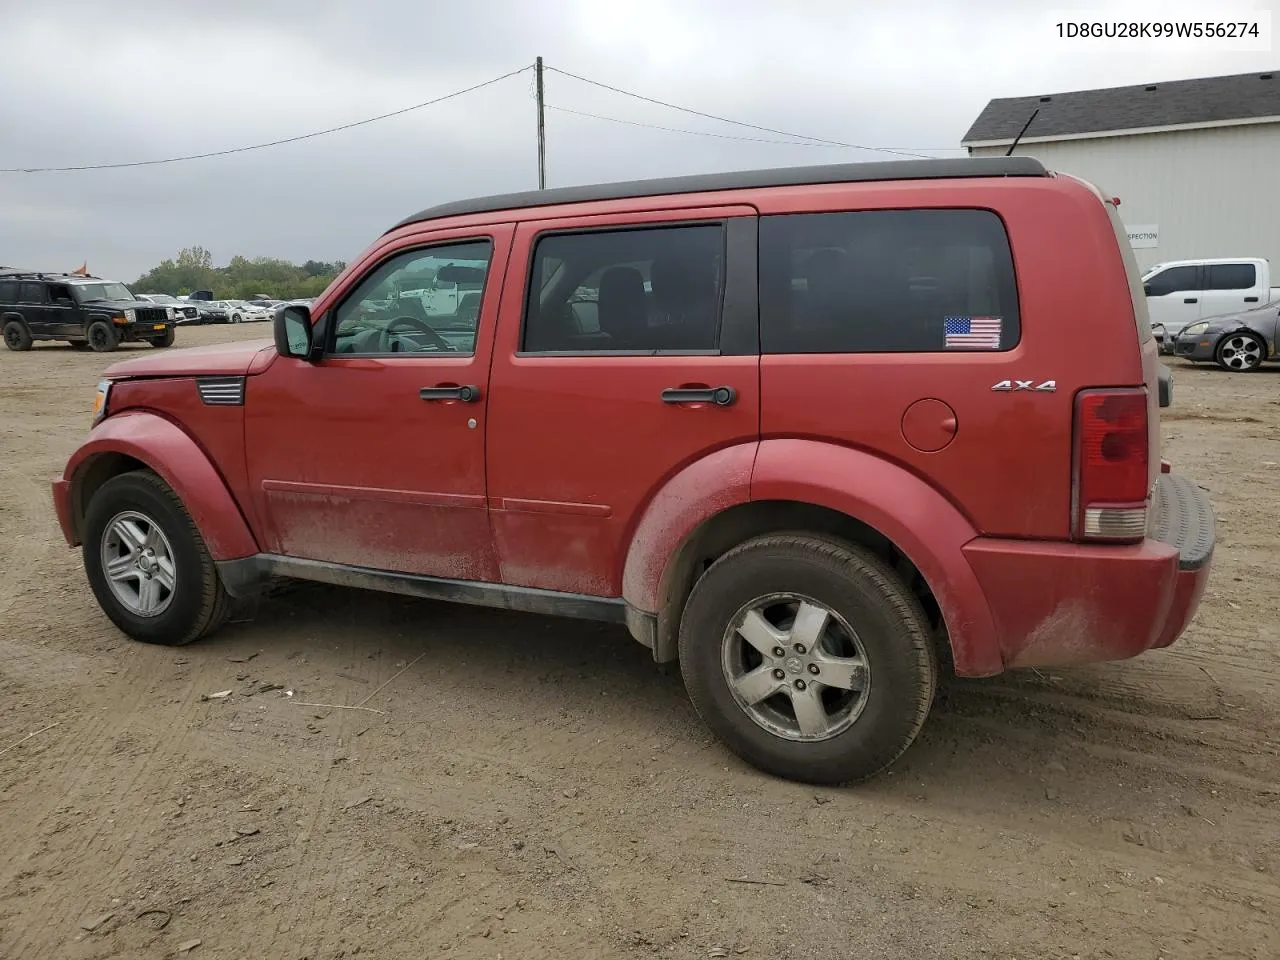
[(742, 180), (1242, 96)]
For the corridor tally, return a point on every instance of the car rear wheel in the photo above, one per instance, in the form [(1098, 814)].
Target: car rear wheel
[(17, 336), (1241, 352), (165, 339), (102, 337), (808, 658), (147, 564)]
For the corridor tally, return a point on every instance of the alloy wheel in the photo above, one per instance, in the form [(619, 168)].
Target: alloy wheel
[(137, 559), (795, 667)]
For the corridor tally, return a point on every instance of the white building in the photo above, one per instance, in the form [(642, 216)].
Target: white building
[(1195, 163)]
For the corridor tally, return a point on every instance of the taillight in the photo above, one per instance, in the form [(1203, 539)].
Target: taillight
[(1109, 486)]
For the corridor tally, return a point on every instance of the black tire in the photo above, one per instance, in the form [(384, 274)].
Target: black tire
[(198, 604), (860, 589), (235, 318), (1240, 352), (102, 337), (165, 339), (16, 335)]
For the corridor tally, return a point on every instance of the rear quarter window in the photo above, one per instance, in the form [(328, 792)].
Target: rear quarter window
[(887, 281)]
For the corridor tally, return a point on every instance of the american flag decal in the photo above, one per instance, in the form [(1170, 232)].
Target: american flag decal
[(972, 333)]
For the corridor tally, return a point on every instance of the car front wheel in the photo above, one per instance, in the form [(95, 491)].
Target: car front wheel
[(1241, 352), (102, 337), (165, 339), (147, 564), (808, 658)]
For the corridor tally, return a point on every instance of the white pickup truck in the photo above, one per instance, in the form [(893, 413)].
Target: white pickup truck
[(1183, 291)]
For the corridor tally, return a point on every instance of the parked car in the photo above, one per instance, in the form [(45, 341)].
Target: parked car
[(212, 311), (183, 313), (81, 310), (841, 440), (1183, 292), (1240, 342), (248, 312)]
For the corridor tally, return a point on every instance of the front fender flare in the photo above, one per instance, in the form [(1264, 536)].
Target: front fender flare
[(923, 524), (168, 450)]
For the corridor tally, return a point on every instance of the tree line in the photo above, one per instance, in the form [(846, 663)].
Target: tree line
[(241, 279)]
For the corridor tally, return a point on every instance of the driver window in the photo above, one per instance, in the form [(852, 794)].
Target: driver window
[(421, 301)]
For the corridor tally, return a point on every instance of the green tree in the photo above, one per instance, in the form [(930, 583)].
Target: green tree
[(241, 279)]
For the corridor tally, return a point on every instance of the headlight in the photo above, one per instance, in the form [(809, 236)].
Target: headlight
[(169, 313), (100, 401), (1194, 329), (130, 315)]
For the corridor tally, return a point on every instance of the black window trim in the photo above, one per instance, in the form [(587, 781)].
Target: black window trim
[(328, 323), (1013, 266), (738, 327)]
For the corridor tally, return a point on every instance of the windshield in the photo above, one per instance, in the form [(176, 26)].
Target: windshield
[(161, 298), (101, 291)]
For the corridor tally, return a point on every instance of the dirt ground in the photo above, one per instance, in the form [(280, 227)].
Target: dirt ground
[(522, 787)]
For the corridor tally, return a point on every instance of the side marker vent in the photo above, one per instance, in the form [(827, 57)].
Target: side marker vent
[(221, 391)]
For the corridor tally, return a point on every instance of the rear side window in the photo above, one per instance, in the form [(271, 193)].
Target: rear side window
[(32, 293), (887, 281), (1231, 276), (643, 290), (8, 291)]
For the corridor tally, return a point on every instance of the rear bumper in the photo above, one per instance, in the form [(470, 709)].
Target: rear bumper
[(66, 514), (1064, 603)]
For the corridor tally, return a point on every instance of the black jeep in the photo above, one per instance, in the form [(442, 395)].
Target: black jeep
[(84, 311)]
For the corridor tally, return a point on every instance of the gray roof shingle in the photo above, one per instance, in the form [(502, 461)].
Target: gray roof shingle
[(1238, 97)]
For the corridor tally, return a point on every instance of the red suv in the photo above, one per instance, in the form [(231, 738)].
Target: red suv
[(806, 431)]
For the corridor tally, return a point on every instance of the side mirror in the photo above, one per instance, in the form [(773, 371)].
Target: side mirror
[(1146, 288), (292, 329)]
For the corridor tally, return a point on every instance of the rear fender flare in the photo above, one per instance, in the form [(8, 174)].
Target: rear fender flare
[(165, 448), (914, 516)]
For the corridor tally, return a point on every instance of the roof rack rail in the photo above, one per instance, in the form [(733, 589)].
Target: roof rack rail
[(15, 274)]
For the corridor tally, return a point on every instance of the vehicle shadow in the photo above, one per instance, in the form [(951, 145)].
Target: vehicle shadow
[(1008, 730)]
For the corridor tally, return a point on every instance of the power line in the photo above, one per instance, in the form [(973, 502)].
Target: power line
[(273, 143), (729, 136), (737, 123)]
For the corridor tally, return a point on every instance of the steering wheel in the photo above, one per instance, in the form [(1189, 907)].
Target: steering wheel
[(389, 344)]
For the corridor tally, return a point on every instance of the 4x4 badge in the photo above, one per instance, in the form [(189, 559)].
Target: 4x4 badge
[(1047, 386)]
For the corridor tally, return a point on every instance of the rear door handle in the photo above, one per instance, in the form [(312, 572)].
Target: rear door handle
[(466, 394), (1191, 300), (720, 396)]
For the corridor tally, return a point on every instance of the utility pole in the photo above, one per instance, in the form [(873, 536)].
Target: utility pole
[(542, 128)]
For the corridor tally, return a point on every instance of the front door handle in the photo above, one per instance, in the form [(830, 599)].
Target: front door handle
[(466, 394), (1250, 299), (1191, 300), (720, 396)]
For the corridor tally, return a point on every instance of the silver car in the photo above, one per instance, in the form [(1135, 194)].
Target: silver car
[(1239, 342)]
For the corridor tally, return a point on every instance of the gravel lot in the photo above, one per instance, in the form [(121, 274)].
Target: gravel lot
[(522, 787)]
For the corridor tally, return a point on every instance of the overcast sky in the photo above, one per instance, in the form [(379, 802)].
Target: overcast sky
[(88, 81)]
